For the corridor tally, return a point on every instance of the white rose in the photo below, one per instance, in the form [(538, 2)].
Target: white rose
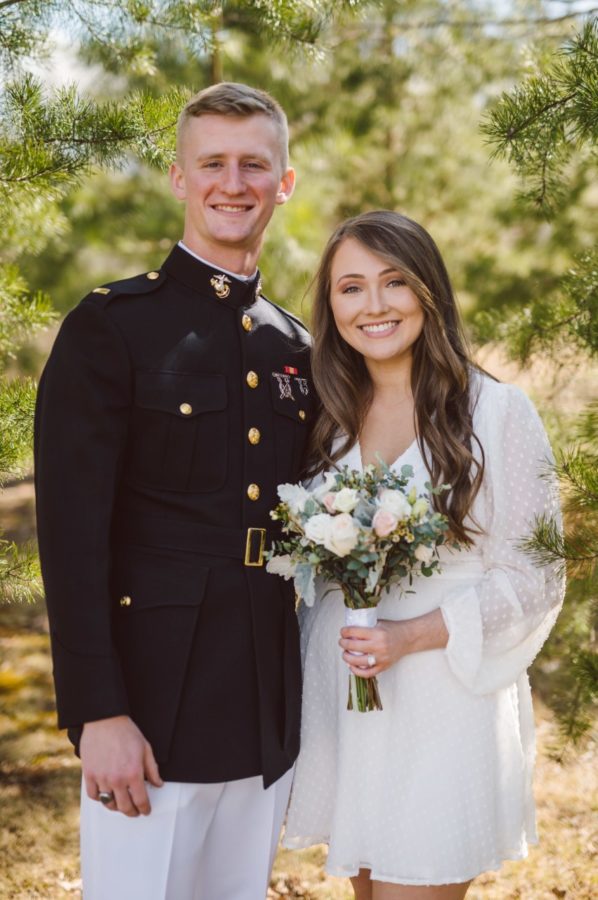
[(317, 527), (395, 502), (345, 500), (294, 495), (281, 565), (424, 554), (342, 535)]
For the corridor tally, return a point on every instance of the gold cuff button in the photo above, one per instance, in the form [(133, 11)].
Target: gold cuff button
[(254, 436), (253, 492), (186, 409), (247, 322), (152, 275), (302, 415), (252, 379), (125, 601)]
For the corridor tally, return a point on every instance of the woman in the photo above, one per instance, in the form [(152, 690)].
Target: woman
[(416, 800)]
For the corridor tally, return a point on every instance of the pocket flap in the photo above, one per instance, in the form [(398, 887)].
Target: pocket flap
[(149, 578), (180, 393), (292, 396)]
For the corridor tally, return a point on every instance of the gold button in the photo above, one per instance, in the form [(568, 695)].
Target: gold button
[(152, 275), (302, 414), (252, 379), (253, 492), (253, 435), (247, 322), (125, 601), (186, 409)]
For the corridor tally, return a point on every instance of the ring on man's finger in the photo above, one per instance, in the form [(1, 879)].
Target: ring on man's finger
[(106, 797), (371, 660)]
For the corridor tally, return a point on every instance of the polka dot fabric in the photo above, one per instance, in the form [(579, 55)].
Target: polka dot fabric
[(436, 788)]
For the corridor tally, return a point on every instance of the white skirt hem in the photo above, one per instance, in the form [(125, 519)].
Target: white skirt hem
[(300, 843)]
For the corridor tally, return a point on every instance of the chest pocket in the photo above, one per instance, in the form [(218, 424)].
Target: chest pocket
[(179, 431), (293, 401)]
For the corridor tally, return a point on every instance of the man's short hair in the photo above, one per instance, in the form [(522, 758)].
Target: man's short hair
[(231, 99)]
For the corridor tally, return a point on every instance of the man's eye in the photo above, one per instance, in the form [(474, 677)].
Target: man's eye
[(254, 165), (212, 164)]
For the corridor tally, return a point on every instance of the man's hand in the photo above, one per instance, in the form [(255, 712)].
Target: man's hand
[(116, 757)]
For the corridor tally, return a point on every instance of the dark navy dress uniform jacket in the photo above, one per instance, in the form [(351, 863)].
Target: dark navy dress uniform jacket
[(170, 408)]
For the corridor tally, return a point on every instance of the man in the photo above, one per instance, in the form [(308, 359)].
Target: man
[(172, 405)]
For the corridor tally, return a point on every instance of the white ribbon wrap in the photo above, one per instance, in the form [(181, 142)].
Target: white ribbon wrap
[(363, 618)]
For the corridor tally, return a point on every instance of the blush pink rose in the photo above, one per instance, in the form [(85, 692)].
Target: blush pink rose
[(328, 501), (384, 522)]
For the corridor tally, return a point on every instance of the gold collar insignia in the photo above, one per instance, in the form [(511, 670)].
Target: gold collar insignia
[(221, 284)]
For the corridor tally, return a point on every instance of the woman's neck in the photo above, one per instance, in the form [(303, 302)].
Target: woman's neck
[(391, 380)]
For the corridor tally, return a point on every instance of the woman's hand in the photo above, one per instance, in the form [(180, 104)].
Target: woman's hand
[(390, 640)]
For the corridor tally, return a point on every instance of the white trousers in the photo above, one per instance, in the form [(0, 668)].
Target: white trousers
[(200, 842)]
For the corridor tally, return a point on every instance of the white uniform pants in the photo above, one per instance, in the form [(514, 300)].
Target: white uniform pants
[(200, 842)]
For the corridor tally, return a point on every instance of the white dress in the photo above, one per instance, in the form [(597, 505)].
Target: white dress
[(437, 787)]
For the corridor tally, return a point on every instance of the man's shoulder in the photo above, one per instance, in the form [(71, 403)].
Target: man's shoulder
[(298, 325), (145, 283)]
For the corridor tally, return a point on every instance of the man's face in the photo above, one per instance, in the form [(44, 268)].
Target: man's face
[(229, 173)]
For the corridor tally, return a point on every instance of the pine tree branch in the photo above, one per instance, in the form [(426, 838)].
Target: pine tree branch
[(20, 578), (514, 131), (5, 3)]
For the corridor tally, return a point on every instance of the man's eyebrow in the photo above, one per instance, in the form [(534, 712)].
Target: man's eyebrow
[(218, 155)]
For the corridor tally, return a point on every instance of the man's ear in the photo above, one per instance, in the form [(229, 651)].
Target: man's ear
[(177, 181), (287, 186)]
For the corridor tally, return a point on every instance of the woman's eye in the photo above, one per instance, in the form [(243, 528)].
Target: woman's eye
[(350, 289), (396, 282)]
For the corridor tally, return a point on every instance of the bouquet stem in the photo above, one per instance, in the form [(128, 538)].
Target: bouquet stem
[(364, 695)]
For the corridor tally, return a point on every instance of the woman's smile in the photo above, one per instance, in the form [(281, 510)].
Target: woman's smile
[(380, 329)]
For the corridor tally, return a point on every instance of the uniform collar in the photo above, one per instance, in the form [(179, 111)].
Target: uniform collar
[(210, 281)]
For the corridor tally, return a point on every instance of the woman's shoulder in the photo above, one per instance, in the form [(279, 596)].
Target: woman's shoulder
[(503, 412), (492, 399)]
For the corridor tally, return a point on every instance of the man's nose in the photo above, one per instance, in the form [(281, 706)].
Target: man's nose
[(232, 180)]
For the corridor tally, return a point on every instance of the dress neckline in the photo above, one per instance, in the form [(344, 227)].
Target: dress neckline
[(405, 452)]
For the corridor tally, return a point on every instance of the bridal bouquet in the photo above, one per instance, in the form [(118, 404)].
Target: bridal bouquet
[(363, 531)]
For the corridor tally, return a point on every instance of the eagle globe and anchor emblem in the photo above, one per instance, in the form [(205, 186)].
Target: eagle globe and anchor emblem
[(221, 284)]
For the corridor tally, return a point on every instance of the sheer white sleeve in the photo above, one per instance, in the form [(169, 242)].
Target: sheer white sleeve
[(498, 625)]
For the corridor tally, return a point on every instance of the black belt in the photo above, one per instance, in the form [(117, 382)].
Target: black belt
[(247, 544)]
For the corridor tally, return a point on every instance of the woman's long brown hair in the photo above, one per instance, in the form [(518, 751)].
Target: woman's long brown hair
[(440, 376)]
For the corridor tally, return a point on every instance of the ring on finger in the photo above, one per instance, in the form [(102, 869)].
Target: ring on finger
[(106, 797), (371, 660)]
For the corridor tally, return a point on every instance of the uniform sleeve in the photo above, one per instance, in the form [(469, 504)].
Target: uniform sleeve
[(498, 625), (80, 433)]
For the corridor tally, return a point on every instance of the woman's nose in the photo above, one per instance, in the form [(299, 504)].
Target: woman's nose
[(376, 302)]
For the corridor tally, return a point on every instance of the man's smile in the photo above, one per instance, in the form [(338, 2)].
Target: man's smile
[(231, 207)]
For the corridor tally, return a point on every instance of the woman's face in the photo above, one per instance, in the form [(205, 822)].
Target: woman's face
[(374, 310)]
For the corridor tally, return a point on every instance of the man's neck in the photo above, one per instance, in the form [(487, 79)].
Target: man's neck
[(240, 262), (209, 262)]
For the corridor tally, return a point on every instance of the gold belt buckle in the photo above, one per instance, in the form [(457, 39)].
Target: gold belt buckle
[(248, 543)]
